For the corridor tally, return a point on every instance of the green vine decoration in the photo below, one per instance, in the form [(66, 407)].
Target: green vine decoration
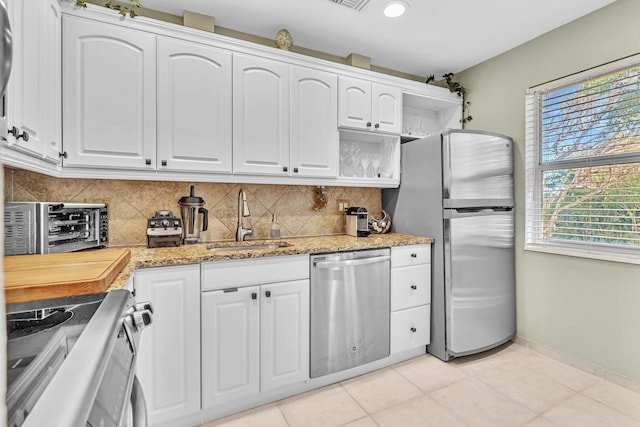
[(122, 9), (458, 88)]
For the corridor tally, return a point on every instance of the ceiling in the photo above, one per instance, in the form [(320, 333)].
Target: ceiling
[(431, 38)]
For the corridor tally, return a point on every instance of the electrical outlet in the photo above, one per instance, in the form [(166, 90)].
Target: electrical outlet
[(343, 205)]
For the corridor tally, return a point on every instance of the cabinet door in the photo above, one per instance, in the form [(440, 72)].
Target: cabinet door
[(410, 286), (169, 358), (410, 328), (109, 95), (354, 103), (260, 116), (230, 345), (34, 91), (194, 107), (314, 123), (386, 108), (285, 333)]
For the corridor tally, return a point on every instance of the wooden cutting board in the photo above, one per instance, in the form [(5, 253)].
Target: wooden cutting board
[(36, 277)]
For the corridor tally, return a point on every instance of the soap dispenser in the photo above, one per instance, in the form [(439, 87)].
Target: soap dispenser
[(274, 231)]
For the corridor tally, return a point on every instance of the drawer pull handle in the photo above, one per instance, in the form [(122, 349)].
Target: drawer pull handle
[(268, 294), (413, 329), (414, 287), (414, 255), (254, 295)]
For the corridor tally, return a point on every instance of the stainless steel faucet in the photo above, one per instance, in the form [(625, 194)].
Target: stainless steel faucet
[(243, 212)]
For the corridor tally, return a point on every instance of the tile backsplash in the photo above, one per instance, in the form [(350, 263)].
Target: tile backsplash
[(131, 203)]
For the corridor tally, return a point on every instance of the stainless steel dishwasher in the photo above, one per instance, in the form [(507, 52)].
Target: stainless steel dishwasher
[(349, 309)]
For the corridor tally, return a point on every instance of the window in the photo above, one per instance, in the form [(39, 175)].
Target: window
[(583, 164)]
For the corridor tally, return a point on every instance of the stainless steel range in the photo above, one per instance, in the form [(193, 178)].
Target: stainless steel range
[(71, 361)]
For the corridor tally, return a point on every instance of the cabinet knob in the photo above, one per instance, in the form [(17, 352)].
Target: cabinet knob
[(268, 294), (63, 154), (414, 255), (285, 169), (17, 135), (414, 287), (254, 295), (295, 170), (368, 124), (164, 163), (147, 162), (377, 126), (413, 329)]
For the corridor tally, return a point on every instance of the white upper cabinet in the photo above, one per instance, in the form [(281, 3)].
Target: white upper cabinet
[(369, 106), (260, 116), (386, 108), (109, 84), (354, 109), (33, 94), (194, 107), (314, 122)]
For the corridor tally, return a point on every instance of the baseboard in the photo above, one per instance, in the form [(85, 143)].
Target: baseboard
[(578, 363)]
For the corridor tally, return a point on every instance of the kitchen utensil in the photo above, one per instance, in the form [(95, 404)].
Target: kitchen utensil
[(190, 209), (36, 277)]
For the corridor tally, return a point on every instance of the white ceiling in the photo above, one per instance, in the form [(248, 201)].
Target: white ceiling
[(434, 37)]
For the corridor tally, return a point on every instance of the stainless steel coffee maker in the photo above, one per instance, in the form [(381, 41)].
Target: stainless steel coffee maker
[(195, 218)]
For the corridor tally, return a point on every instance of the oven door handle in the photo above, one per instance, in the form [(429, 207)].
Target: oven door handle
[(350, 262), (138, 405)]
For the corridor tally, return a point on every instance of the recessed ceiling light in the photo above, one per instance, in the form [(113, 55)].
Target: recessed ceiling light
[(394, 9)]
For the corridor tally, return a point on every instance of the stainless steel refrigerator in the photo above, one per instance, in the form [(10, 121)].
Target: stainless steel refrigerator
[(458, 188)]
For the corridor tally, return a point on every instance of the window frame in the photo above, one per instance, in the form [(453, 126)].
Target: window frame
[(535, 168)]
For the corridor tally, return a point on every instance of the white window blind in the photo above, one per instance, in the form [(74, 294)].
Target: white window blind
[(583, 164)]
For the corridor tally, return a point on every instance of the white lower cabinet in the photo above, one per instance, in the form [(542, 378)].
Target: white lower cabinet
[(230, 345), (168, 364), (231, 334), (410, 328), (255, 338), (410, 297), (284, 310)]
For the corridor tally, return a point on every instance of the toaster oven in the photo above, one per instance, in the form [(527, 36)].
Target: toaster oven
[(51, 227)]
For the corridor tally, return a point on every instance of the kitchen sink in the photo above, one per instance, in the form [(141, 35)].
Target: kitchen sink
[(247, 246)]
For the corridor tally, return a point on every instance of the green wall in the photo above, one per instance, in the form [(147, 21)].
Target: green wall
[(586, 308)]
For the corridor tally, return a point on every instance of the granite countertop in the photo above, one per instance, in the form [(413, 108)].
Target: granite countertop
[(142, 257)]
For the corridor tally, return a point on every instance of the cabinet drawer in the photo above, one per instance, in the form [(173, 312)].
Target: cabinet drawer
[(402, 256), (410, 286), (236, 273), (410, 328)]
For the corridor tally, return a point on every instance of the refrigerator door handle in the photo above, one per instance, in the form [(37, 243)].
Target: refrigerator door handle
[(465, 212)]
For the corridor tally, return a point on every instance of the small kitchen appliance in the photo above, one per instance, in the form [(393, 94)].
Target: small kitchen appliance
[(164, 230), (357, 222), (191, 209), (54, 227)]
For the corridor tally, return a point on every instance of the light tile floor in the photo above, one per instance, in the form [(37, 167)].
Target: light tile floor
[(512, 386)]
